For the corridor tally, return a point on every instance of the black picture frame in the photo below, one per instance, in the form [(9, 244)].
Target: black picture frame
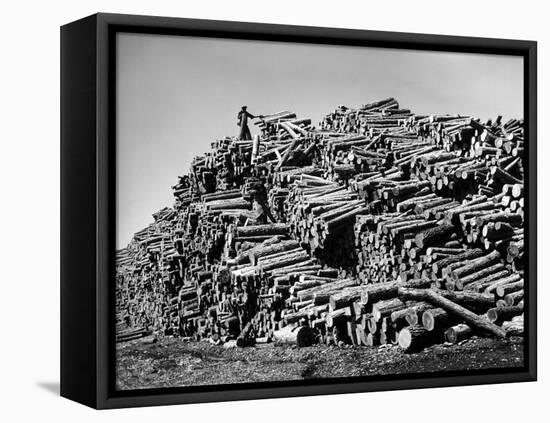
[(88, 207)]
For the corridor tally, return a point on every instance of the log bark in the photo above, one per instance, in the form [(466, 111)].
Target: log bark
[(415, 338), (458, 333), (513, 298), (467, 255), (498, 315), (515, 327), (436, 319), (502, 281), (475, 265), (337, 317), (261, 230), (267, 250), (504, 290), (386, 307), (301, 336), (433, 236), (414, 316), (468, 316), (245, 337), (345, 298), (480, 274), (383, 291)]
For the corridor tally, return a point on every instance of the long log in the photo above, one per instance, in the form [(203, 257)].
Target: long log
[(259, 230), (267, 250), (467, 255), (493, 288), (475, 265), (482, 273), (384, 291), (469, 317), (301, 336), (433, 236)]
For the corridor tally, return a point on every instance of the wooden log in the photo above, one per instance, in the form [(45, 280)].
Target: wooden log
[(467, 255), (337, 317), (415, 338), (493, 287), (481, 284), (480, 274), (267, 250), (475, 265), (245, 337), (503, 290), (458, 333), (385, 308), (498, 315), (469, 317), (259, 230), (436, 319), (433, 236), (515, 327), (383, 291), (513, 298), (301, 336), (414, 316)]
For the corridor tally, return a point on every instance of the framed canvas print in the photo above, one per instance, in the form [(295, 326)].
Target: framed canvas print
[(255, 211)]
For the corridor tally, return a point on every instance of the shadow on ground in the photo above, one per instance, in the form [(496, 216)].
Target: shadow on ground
[(51, 387), (171, 362)]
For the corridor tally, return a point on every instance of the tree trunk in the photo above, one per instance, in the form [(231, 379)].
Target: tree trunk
[(502, 281), (438, 266), (458, 333), (480, 285), (415, 338), (515, 327), (386, 290), (464, 280), (414, 316), (337, 317), (386, 307), (513, 298), (436, 319), (498, 315), (475, 265), (469, 317), (301, 336), (433, 236), (345, 298), (504, 290), (267, 250), (259, 230), (245, 337)]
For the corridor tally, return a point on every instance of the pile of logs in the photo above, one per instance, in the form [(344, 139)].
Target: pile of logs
[(378, 227)]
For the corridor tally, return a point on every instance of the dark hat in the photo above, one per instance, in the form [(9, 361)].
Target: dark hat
[(244, 107)]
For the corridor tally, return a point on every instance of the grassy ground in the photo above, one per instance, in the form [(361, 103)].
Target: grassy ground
[(171, 362)]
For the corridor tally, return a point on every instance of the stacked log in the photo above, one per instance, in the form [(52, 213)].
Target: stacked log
[(379, 226)]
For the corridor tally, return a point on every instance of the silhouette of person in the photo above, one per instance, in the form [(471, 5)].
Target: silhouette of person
[(242, 121)]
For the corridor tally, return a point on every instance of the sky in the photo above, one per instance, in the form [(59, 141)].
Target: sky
[(175, 95)]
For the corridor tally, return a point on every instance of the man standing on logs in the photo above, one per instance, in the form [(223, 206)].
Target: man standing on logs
[(242, 121), (259, 204)]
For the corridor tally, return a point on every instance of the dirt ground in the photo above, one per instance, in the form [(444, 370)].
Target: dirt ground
[(172, 363)]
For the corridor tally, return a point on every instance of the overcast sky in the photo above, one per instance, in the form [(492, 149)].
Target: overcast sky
[(177, 94)]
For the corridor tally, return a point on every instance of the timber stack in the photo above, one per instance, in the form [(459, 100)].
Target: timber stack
[(380, 226)]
